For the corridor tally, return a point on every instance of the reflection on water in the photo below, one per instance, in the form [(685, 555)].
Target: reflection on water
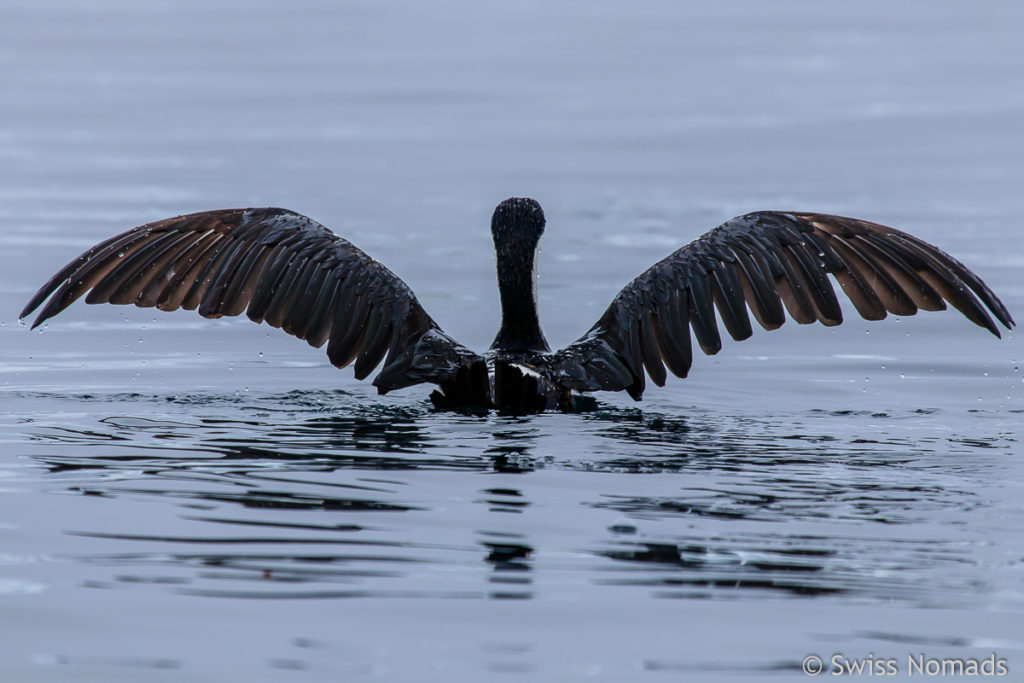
[(310, 495)]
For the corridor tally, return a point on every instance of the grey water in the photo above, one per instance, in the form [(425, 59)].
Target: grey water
[(187, 499)]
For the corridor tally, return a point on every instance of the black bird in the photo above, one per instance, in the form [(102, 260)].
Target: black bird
[(289, 271)]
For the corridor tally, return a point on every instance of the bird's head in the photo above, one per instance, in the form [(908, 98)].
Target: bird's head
[(517, 225)]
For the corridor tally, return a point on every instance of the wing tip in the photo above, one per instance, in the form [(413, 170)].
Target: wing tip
[(36, 301), (1007, 320), (33, 305)]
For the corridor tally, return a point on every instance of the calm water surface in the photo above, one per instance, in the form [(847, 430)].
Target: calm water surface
[(183, 499)]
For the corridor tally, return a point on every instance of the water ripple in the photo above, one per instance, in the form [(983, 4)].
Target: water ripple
[(314, 495)]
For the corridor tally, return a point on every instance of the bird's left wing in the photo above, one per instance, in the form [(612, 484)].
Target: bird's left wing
[(279, 267), (769, 262)]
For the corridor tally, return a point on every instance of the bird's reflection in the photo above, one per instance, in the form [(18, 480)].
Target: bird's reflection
[(508, 554), (513, 443), (321, 495), (511, 577)]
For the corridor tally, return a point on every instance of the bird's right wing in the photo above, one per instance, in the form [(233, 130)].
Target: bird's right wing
[(279, 267), (769, 262)]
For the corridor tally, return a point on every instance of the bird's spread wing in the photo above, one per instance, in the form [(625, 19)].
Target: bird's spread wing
[(769, 262), (279, 267)]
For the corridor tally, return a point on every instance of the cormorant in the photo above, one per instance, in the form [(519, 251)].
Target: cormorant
[(289, 271)]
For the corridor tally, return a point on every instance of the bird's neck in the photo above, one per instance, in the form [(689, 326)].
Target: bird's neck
[(517, 284)]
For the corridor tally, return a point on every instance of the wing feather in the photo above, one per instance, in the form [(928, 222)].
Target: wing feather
[(702, 313), (652, 356), (727, 292), (278, 267), (759, 290), (318, 326), (772, 263), (183, 280), (274, 269), (909, 290)]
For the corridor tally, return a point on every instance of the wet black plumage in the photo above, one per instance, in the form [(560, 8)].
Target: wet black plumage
[(289, 271)]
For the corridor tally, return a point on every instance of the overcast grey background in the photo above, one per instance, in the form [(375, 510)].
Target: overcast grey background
[(856, 489)]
